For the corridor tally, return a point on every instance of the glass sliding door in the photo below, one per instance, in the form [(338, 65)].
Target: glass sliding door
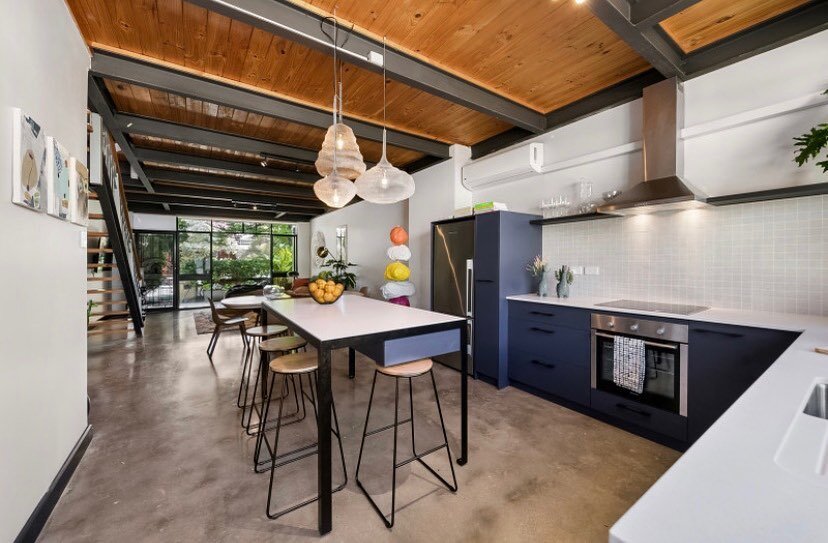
[(156, 252), (193, 269), (241, 256)]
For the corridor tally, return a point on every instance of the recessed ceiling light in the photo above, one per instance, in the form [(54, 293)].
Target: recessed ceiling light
[(129, 124), (255, 208), (263, 163)]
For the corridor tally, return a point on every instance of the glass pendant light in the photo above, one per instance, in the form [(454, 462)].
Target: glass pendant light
[(384, 184), (339, 137)]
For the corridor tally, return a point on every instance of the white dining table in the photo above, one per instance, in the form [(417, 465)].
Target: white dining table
[(388, 333), (248, 302)]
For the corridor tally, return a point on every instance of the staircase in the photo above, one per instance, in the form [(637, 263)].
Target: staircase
[(109, 315)]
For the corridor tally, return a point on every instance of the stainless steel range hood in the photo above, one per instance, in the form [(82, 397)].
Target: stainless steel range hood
[(663, 188)]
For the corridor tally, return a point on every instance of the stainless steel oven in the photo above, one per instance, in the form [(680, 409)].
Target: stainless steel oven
[(665, 351)]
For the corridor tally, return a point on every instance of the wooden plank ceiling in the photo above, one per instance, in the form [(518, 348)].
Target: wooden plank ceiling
[(710, 21), (542, 54)]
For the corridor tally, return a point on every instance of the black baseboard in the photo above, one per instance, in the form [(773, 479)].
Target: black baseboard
[(47, 503)]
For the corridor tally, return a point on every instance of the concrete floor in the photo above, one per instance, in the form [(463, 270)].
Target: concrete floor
[(169, 462)]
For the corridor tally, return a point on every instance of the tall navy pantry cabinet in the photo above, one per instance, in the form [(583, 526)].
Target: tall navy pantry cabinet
[(504, 243)]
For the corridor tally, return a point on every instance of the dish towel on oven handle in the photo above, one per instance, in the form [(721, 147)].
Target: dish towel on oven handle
[(628, 363)]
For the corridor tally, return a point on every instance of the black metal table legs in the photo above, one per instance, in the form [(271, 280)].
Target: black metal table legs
[(351, 363), (323, 389), (464, 395)]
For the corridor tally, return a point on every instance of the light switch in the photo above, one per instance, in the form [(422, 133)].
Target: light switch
[(83, 238), (592, 270), (577, 270)]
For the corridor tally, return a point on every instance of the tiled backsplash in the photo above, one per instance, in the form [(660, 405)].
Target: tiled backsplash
[(767, 256)]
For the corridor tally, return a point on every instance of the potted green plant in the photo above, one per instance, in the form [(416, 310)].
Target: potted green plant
[(339, 272), (811, 144)]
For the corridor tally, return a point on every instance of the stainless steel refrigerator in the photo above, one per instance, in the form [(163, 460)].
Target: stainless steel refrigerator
[(452, 277)]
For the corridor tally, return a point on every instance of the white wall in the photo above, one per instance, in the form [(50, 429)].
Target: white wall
[(43, 298), (369, 226), (768, 256)]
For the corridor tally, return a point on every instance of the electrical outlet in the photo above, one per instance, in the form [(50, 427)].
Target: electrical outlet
[(577, 270), (592, 270)]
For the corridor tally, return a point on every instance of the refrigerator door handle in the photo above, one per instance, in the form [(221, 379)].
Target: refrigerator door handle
[(469, 286)]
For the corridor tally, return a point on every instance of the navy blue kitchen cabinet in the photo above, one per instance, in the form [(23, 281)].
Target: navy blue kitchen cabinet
[(549, 349), (504, 243), (723, 362)]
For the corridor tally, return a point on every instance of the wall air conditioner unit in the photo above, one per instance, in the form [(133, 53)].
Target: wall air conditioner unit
[(504, 167)]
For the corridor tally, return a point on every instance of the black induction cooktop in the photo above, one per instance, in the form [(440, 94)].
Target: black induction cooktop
[(656, 307)]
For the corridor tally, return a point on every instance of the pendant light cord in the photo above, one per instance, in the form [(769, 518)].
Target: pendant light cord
[(384, 60)]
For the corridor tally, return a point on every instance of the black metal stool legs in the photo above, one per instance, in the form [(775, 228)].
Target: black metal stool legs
[(279, 460), (389, 519)]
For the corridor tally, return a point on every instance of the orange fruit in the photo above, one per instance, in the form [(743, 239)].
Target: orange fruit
[(313, 287)]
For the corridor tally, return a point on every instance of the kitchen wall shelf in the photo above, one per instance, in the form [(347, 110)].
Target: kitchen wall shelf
[(574, 218), (801, 191)]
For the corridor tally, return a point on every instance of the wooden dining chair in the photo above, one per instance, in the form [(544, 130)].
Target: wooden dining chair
[(222, 322)]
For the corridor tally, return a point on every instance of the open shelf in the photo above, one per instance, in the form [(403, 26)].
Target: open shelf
[(594, 216), (766, 195)]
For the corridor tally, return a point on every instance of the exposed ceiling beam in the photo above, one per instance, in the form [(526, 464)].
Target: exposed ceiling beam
[(644, 13), (291, 22), (181, 159), (794, 25), (217, 213), (421, 164), (133, 124), (236, 197), (232, 183), (100, 104), (621, 93), (165, 78), (647, 42), (156, 198)]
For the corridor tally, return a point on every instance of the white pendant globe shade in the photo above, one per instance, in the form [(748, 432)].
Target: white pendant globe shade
[(384, 184), (349, 161), (334, 190)]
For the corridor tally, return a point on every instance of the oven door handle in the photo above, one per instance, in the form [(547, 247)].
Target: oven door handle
[(648, 343)]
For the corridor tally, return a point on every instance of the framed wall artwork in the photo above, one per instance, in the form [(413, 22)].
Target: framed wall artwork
[(57, 179), (28, 162), (79, 189)]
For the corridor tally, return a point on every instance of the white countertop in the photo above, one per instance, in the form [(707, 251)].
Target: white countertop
[(727, 486), (352, 316)]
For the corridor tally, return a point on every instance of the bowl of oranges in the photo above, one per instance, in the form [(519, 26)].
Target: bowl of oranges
[(325, 292)]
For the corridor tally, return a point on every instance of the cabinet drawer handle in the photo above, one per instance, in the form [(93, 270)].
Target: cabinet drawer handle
[(485, 280), (718, 332), (633, 410), (544, 330), (544, 364), (542, 314)]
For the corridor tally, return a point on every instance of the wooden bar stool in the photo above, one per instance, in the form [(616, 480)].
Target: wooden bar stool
[(268, 348), (408, 371), (253, 336), (293, 365)]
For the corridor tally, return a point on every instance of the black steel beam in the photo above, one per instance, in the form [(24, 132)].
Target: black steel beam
[(794, 25), (181, 159), (644, 13), (238, 197), (649, 43), (421, 164), (133, 124), (215, 213), (227, 202), (233, 183), (618, 94), (167, 79), (100, 104), (296, 24)]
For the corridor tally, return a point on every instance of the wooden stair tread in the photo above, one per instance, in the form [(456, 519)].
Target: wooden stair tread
[(100, 265), (96, 216), (106, 278), (99, 250), (107, 313), (110, 302), (97, 234), (104, 290)]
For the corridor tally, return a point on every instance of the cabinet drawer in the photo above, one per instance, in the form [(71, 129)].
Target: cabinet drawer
[(546, 373), (657, 420), (565, 345), (550, 314)]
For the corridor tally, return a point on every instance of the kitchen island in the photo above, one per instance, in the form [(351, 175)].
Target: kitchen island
[(389, 333), (729, 486)]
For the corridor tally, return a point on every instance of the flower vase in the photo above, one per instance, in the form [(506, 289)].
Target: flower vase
[(562, 288), (543, 286)]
